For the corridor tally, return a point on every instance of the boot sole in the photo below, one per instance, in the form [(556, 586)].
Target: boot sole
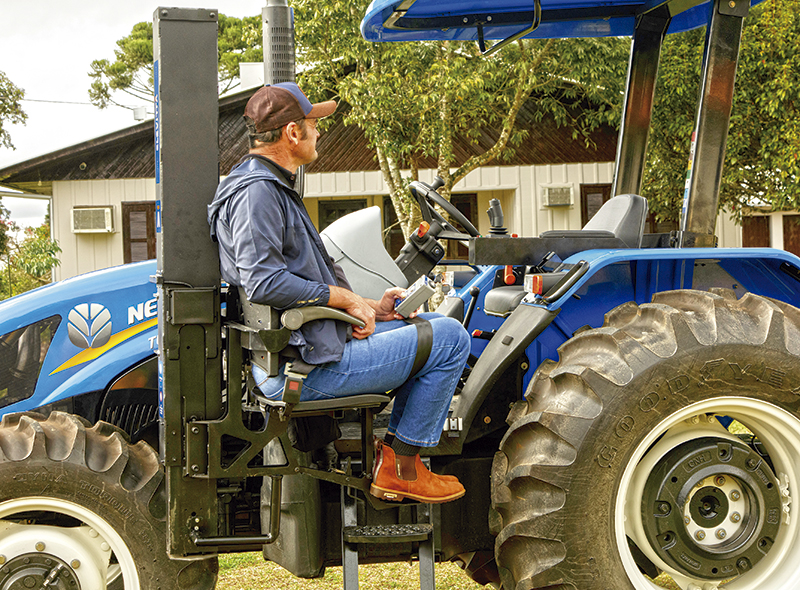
[(395, 496)]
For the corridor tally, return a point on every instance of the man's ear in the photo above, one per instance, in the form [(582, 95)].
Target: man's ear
[(292, 131)]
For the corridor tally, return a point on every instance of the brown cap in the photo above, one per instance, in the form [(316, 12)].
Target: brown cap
[(272, 107)]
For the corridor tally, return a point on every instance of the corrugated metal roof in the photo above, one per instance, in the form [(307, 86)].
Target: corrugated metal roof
[(129, 153)]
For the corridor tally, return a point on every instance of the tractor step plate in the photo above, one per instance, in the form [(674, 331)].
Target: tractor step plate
[(389, 533)]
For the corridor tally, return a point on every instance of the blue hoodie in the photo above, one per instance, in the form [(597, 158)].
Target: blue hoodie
[(269, 246)]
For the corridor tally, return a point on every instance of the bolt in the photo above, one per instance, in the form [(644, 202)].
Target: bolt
[(686, 520), (195, 468), (487, 419), (2, 559), (523, 366), (721, 533), (75, 564), (488, 19), (663, 507), (164, 13), (719, 480), (197, 519), (742, 564), (735, 495), (465, 20), (39, 546), (195, 430), (212, 14), (105, 547), (700, 535), (736, 517), (752, 463), (732, 4)]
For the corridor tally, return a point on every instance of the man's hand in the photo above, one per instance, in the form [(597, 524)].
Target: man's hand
[(384, 309), (356, 306)]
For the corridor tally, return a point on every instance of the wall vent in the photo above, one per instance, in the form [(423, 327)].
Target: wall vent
[(93, 220)]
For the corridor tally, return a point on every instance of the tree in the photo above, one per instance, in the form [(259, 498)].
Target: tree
[(131, 72), (10, 108), (763, 145), (26, 263), (413, 99)]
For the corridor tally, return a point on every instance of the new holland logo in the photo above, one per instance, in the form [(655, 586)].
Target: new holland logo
[(89, 325)]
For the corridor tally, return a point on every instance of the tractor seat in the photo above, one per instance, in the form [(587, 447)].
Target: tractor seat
[(621, 217)]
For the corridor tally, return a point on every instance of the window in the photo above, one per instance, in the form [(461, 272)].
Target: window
[(791, 233), (755, 232), (22, 354), (138, 231), (330, 211), (592, 198)]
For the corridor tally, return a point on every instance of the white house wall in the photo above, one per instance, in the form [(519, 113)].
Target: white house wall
[(82, 253), (519, 189)]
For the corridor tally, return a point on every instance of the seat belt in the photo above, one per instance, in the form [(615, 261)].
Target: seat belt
[(424, 344)]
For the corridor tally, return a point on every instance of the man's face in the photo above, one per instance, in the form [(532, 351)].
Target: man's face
[(307, 148)]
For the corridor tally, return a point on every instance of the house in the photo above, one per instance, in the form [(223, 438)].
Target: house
[(103, 190)]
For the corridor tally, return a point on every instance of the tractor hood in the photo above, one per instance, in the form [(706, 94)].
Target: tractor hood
[(420, 20)]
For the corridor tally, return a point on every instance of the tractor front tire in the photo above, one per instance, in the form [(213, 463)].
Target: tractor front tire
[(622, 463), (82, 507)]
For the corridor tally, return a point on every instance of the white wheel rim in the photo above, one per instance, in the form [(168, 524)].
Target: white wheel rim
[(778, 430), (86, 548)]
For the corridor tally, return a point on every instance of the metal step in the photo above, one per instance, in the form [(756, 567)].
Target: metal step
[(388, 533)]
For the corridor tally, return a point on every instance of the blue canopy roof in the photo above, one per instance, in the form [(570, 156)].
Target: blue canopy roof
[(419, 20)]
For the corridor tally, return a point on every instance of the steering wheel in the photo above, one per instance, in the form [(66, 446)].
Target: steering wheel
[(427, 197)]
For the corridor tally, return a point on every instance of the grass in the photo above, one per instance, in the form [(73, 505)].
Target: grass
[(249, 571)]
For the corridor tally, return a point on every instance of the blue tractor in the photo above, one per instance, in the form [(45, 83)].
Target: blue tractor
[(629, 419)]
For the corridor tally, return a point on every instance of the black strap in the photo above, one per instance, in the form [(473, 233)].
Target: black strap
[(424, 343)]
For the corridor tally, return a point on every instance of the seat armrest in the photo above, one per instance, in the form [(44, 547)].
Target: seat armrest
[(292, 319)]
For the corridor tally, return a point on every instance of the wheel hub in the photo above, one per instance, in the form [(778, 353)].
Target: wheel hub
[(711, 508), (33, 571)]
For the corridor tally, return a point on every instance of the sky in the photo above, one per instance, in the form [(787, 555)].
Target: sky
[(46, 48)]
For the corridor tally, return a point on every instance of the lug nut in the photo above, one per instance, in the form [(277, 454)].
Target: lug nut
[(2, 559), (39, 546), (700, 535), (719, 481), (736, 517), (686, 520), (721, 533), (735, 495), (75, 564)]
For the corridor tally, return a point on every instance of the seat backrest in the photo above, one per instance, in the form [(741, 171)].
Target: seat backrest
[(624, 216), (355, 243)]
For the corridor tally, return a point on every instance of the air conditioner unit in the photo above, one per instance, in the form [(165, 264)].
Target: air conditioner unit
[(557, 195), (93, 220)]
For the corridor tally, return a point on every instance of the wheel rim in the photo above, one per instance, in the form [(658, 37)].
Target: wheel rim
[(778, 430), (93, 553)]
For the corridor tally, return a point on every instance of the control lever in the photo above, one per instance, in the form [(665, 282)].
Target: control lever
[(496, 219)]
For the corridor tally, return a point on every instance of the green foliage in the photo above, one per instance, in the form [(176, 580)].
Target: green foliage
[(26, 263), (412, 99), (131, 72), (10, 109), (764, 138)]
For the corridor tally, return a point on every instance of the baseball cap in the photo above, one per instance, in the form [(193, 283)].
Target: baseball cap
[(274, 106)]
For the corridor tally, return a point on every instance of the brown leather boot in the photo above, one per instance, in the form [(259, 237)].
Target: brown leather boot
[(378, 444), (427, 487)]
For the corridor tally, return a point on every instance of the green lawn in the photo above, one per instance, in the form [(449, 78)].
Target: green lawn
[(249, 571)]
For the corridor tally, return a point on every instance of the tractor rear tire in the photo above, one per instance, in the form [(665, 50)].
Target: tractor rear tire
[(620, 460), (82, 507)]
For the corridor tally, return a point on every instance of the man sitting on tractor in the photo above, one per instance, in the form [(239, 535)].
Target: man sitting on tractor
[(269, 247)]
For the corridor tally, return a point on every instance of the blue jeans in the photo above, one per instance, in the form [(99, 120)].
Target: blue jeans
[(383, 362)]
